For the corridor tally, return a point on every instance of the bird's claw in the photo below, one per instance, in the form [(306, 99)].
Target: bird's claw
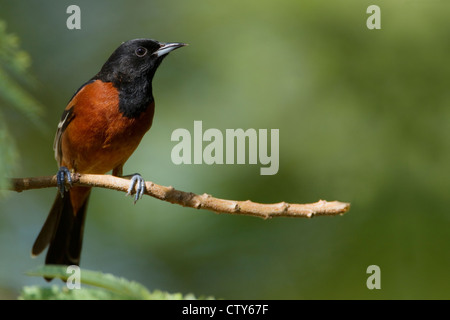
[(138, 183), (61, 176)]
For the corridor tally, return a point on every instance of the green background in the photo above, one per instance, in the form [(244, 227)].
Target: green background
[(363, 117)]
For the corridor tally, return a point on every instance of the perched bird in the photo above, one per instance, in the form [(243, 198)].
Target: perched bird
[(100, 128)]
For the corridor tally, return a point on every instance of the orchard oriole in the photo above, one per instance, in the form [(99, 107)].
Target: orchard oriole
[(100, 128)]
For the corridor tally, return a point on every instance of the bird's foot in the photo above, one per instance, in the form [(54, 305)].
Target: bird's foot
[(61, 176), (137, 183)]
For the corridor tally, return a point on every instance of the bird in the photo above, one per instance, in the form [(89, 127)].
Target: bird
[(101, 126)]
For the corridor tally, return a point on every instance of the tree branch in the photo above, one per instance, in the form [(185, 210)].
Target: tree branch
[(192, 200)]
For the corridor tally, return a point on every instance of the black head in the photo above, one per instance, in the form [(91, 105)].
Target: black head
[(131, 69), (138, 58)]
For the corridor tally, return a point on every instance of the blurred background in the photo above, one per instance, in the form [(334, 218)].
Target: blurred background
[(363, 118)]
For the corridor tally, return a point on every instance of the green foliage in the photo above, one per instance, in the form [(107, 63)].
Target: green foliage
[(104, 287), (8, 153), (14, 64)]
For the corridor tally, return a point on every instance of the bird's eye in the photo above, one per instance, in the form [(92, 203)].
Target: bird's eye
[(141, 51)]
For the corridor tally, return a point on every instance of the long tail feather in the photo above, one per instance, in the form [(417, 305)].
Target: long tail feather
[(63, 229)]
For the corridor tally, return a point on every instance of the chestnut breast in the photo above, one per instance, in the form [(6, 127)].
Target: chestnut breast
[(99, 137)]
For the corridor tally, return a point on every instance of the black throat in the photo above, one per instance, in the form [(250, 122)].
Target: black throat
[(134, 97)]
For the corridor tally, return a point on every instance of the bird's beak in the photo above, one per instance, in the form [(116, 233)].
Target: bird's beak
[(167, 47)]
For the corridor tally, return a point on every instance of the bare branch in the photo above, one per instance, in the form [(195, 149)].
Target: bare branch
[(192, 200)]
